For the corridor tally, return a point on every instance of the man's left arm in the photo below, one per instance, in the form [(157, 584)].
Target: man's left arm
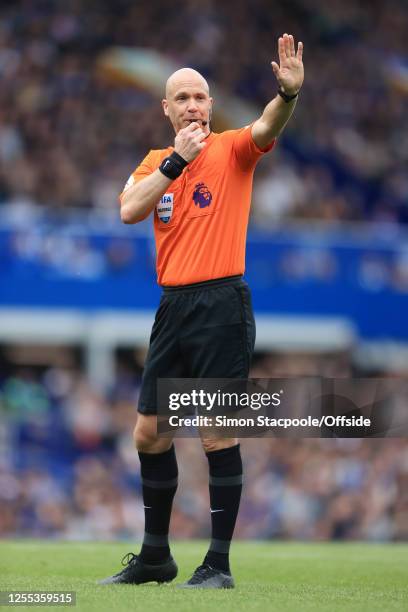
[(290, 75)]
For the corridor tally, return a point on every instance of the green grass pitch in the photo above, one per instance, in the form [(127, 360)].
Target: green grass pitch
[(269, 576)]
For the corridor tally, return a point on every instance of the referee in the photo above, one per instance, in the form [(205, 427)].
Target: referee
[(200, 192)]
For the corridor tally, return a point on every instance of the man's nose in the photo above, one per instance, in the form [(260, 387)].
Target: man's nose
[(192, 105)]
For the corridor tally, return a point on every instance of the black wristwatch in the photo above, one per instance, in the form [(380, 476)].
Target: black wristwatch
[(287, 97)]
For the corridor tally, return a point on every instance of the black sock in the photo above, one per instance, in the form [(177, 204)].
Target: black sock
[(225, 493), (159, 480)]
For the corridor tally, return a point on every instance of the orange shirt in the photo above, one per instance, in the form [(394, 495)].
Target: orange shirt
[(200, 224)]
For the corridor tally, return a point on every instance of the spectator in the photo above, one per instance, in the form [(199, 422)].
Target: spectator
[(69, 136)]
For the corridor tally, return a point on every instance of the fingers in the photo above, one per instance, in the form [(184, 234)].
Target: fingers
[(287, 49), (281, 50), (276, 70), (192, 127), (292, 45), (199, 137), (286, 44), (194, 131), (198, 133)]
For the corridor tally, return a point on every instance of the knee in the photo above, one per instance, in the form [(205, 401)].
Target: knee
[(147, 441), (143, 441), (214, 444)]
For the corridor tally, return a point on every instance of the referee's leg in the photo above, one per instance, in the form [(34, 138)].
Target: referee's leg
[(219, 343), (159, 475), (158, 467), (146, 438), (225, 486), (158, 464)]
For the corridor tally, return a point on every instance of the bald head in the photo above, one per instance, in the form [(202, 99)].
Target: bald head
[(187, 100), (185, 77)]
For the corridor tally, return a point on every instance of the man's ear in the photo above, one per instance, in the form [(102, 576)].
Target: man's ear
[(165, 106)]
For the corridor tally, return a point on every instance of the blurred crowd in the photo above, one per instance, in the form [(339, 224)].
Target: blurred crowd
[(69, 136), (68, 467)]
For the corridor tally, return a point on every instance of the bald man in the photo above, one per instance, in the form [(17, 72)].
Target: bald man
[(200, 192)]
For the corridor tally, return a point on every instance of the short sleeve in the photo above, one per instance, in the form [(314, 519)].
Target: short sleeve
[(246, 150), (145, 168)]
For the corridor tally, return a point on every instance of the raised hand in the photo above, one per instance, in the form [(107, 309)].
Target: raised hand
[(290, 73)]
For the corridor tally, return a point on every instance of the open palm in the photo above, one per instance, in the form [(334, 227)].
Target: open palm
[(290, 72)]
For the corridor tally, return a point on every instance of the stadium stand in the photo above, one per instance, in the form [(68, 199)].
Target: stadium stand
[(328, 229), (69, 136)]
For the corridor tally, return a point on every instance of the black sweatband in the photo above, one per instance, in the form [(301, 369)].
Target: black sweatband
[(173, 165), (287, 97)]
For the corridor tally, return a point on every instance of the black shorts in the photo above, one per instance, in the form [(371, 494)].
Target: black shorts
[(205, 330)]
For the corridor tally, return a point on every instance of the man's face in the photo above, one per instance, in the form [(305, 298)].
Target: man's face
[(187, 101)]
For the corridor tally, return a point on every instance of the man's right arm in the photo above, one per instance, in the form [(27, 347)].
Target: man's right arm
[(138, 201)]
